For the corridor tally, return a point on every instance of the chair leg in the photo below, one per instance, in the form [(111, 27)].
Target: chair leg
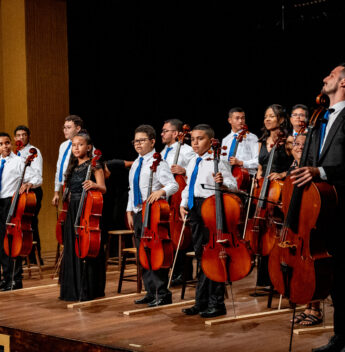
[(122, 271), (139, 278), (38, 262)]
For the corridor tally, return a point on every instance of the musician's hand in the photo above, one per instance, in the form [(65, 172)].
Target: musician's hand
[(130, 220), (276, 176), (183, 212), (55, 200), (303, 175), (128, 163), (156, 195), (25, 187), (218, 178), (235, 161), (88, 184), (177, 170), (107, 172)]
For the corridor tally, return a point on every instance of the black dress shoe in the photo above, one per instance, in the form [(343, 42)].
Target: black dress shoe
[(144, 300), (213, 312), (335, 344), (3, 284), (13, 285), (160, 301), (178, 280), (192, 310)]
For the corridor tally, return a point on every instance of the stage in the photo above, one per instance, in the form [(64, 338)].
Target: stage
[(36, 320)]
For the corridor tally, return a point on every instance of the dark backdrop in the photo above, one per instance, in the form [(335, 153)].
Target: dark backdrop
[(134, 62)]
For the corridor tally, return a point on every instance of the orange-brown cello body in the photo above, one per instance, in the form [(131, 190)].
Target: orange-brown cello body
[(242, 177), (89, 240), (60, 224), (261, 230), (19, 227), (156, 250), (225, 258), (299, 265), (174, 219)]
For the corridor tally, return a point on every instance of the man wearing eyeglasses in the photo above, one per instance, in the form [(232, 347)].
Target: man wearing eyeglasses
[(170, 132), (163, 186), (298, 118)]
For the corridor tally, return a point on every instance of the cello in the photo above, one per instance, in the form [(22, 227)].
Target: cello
[(260, 229), (299, 265), (155, 250), (60, 224), (239, 172), (18, 237), (175, 200), (86, 225), (225, 258)]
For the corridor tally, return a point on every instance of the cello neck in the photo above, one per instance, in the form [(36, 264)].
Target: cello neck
[(147, 208), (219, 201), (177, 154)]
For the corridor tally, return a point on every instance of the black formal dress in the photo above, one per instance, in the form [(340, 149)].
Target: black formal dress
[(80, 279), (281, 163)]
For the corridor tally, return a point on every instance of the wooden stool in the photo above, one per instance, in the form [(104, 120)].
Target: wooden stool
[(120, 234), (38, 265), (188, 282), (126, 252)]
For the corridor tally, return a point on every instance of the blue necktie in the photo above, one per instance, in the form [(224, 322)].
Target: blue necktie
[(232, 147), (166, 152), (63, 160), (18, 153), (323, 128), (136, 188), (1, 170), (192, 184)]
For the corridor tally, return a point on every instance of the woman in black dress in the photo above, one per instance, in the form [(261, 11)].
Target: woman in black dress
[(81, 279), (275, 123)]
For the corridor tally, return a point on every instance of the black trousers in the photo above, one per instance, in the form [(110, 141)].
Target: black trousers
[(6, 262), (208, 293), (155, 282), (34, 224)]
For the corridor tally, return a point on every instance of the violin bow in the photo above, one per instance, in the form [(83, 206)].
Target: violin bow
[(177, 250)]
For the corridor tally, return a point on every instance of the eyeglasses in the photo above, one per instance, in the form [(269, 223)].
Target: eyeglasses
[(140, 141), (297, 115), (166, 131), (298, 145)]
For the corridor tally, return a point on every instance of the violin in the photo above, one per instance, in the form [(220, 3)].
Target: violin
[(175, 200), (19, 146), (60, 224), (86, 225), (299, 265), (260, 229), (239, 172), (18, 237), (225, 257), (155, 250)]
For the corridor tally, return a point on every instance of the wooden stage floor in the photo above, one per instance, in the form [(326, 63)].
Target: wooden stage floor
[(37, 320)]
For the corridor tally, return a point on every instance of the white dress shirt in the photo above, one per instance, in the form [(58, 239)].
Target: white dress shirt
[(63, 147), (204, 176), (162, 179), (12, 173), (37, 163), (247, 151), (331, 118), (186, 155)]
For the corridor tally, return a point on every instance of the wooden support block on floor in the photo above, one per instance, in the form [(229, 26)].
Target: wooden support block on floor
[(154, 309), (251, 316), (314, 330), (100, 300), (21, 290)]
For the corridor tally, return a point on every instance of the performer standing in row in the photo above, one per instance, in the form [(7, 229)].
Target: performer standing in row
[(11, 170), (275, 123), (209, 295), (327, 163), (76, 284), (22, 133), (163, 185), (170, 131), (248, 150), (73, 124)]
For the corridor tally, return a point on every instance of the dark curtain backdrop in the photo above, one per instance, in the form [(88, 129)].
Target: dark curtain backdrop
[(134, 62)]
